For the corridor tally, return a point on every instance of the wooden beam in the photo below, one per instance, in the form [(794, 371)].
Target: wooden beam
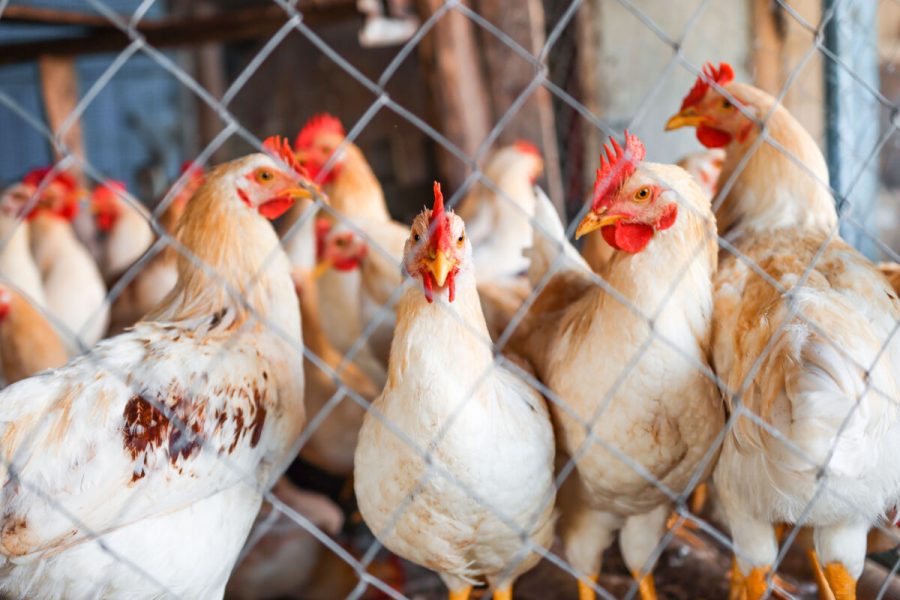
[(103, 36), (461, 108), (59, 87), (508, 75)]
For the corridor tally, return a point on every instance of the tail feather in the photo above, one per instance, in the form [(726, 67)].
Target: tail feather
[(834, 414), (549, 241)]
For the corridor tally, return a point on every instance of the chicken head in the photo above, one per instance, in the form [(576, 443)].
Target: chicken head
[(629, 205), (437, 248)]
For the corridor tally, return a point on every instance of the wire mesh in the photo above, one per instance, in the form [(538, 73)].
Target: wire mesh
[(558, 70)]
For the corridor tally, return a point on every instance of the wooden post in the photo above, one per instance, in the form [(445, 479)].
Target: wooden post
[(59, 87), (508, 74), (461, 109)]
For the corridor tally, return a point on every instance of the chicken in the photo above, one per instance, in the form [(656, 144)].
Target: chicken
[(486, 432), (73, 285), (331, 444), (281, 557), (499, 222), (124, 228), (28, 342), (629, 364), (891, 271), (356, 195), (703, 166), (807, 349), (127, 462), (17, 266), (157, 277)]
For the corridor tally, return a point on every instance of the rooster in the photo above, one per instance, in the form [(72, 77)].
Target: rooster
[(124, 464), (499, 224), (74, 287), (157, 277), (28, 342), (637, 384), (483, 425), (356, 196), (808, 347)]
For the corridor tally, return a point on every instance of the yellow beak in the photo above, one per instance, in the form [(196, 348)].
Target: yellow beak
[(593, 221), (686, 118), (440, 266), (321, 267), (298, 193)]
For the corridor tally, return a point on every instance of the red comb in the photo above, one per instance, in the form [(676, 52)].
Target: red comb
[(281, 148), (188, 166), (321, 123), (36, 176), (439, 223), (526, 147), (617, 166), (722, 76)]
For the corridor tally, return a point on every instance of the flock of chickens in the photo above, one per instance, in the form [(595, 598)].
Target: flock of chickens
[(497, 390)]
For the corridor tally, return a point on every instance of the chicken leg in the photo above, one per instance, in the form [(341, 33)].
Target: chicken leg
[(639, 540), (838, 548), (461, 593)]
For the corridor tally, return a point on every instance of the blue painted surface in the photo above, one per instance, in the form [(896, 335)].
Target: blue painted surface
[(131, 128)]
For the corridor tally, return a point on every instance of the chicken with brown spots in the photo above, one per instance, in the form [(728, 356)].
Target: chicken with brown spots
[(136, 470)]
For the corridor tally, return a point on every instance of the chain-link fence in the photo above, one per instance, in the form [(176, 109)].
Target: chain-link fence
[(510, 426)]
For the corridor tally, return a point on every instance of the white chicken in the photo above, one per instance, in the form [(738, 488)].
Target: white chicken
[(487, 431), (158, 276), (73, 285), (804, 340), (636, 407), (17, 266), (123, 225), (136, 471), (499, 224)]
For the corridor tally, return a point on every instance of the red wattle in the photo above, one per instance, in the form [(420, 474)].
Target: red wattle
[(628, 237), (346, 264), (429, 290), (274, 208), (712, 137), (105, 221), (451, 286)]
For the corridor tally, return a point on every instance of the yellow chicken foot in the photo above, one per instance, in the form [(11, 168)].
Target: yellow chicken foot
[(751, 587), (503, 593), (683, 532), (824, 589), (646, 586), (698, 498), (842, 585), (585, 591), (462, 594)]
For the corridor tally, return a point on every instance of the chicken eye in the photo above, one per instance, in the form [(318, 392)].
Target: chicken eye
[(642, 194), (264, 175), (461, 240), (726, 104), (416, 237)]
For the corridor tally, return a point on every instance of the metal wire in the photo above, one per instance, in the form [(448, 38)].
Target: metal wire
[(294, 21)]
